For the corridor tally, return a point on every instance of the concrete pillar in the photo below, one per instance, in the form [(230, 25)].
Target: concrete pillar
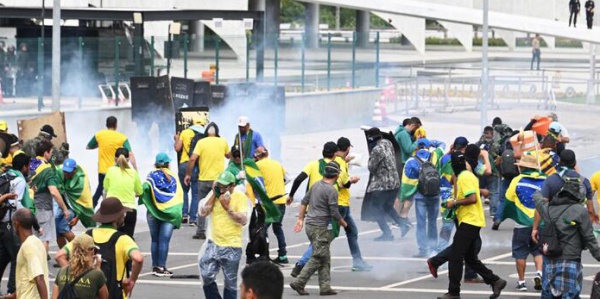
[(272, 16), (311, 27), (197, 36), (363, 22)]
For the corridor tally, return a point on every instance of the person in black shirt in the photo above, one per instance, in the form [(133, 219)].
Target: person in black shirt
[(589, 13), (574, 7)]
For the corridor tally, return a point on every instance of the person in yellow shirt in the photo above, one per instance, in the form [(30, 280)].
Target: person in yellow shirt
[(227, 209), (184, 145), (111, 215), (32, 268), (107, 142), (595, 182), (275, 179), (471, 219), (209, 154)]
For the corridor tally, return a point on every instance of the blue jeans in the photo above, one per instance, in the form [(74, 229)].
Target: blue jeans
[(278, 231), (427, 210), (492, 186), (160, 233), (192, 209), (502, 196), (445, 234), (306, 256), (212, 261)]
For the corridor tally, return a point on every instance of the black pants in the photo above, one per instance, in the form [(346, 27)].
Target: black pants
[(590, 19), (573, 17), (99, 189), (9, 247), (259, 243), (443, 256), (129, 227), (464, 249)]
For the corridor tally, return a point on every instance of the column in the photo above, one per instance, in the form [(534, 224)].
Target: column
[(362, 28), (197, 36), (272, 16), (311, 28)]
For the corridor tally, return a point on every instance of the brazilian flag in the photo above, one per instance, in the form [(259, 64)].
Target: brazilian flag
[(163, 197), (76, 191), (519, 205), (257, 182), (27, 200)]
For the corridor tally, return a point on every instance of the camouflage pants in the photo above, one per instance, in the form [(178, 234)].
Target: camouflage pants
[(320, 238)]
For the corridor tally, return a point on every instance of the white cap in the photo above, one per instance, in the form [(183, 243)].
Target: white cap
[(243, 121)]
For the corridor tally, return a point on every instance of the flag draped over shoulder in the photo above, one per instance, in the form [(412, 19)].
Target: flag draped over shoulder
[(410, 174), (257, 182), (163, 197), (41, 172), (27, 200), (77, 193), (519, 205)]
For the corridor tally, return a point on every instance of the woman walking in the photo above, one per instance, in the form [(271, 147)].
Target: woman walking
[(123, 182), (83, 272), (163, 197)]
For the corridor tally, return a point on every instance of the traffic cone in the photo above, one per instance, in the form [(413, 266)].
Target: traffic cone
[(377, 116)]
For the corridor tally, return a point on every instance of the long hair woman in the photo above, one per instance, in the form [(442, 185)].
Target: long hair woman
[(163, 197), (123, 182), (84, 265)]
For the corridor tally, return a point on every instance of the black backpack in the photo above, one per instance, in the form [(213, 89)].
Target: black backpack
[(429, 178), (197, 137), (572, 188), (549, 238), (68, 291), (508, 169), (109, 264), (5, 180)]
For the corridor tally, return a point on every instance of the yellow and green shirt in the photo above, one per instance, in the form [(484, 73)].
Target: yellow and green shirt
[(225, 231), (107, 142), (211, 153), (273, 174), (467, 184)]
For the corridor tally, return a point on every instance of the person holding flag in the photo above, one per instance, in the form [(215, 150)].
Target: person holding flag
[(247, 139), (519, 206), (163, 197), (264, 211), (74, 185)]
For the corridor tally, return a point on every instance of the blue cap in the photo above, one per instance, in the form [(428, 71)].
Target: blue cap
[(460, 142), (69, 165), (162, 158), (555, 127), (423, 143)]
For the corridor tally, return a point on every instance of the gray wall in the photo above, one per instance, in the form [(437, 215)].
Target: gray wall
[(313, 112)]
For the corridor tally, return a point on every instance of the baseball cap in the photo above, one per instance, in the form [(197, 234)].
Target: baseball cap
[(332, 169), (226, 178), (329, 149), (555, 127), (48, 129), (567, 157), (14, 140), (69, 165), (243, 121), (162, 158), (460, 142), (3, 126), (343, 143), (423, 143), (84, 241)]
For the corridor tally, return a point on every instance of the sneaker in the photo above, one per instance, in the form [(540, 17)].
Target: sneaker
[(192, 222), (384, 238), (361, 267), (161, 272), (432, 268), (185, 219), (521, 287), (496, 225), (329, 292), (199, 236), (281, 260), (421, 254), (497, 287), (449, 296), (300, 290), (296, 271), (537, 283)]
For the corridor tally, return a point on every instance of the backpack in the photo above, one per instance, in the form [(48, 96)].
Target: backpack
[(109, 264), (5, 180), (68, 291), (596, 287), (429, 178), (572, 188), (197, 137), (508, 169), (549, 239)]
